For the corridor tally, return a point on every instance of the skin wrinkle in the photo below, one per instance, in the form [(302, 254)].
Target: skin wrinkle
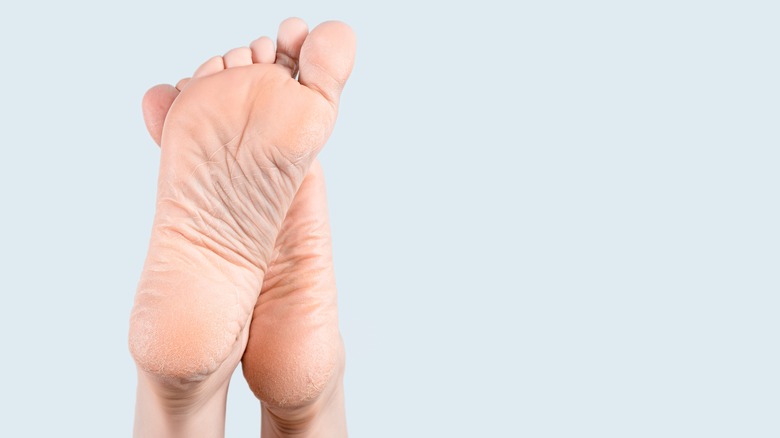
[(308, 265), (256, 204), (216, 248), (304, 278), (235, 221), (223, 196), (272, 208), (221, 202)]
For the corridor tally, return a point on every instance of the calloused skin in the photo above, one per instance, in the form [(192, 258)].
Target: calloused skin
[(239, 266)]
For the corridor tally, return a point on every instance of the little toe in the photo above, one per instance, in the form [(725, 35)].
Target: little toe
[(238, 57), (156, 103), (326, 59), (263, 51), (213, 65), (290, 38)]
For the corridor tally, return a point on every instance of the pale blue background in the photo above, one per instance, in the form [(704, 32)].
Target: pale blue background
[(551, 219)]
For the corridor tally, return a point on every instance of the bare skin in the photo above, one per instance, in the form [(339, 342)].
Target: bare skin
[(241, 204)]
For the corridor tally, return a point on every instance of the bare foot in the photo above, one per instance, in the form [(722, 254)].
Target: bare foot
[(294, 361), (236, 146)]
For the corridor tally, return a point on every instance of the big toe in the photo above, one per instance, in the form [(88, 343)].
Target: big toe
[(326, 59), (156, 103)]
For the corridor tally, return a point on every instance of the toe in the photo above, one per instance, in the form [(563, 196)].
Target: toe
[(263, 51), (238, 57), (213, 65), (156, 103), (326, 59), (292, 33)]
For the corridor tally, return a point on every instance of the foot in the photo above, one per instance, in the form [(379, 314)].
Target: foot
[(236, 146), (294, 360)]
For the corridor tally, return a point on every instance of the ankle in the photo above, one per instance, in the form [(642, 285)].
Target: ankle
[(165, 409)]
